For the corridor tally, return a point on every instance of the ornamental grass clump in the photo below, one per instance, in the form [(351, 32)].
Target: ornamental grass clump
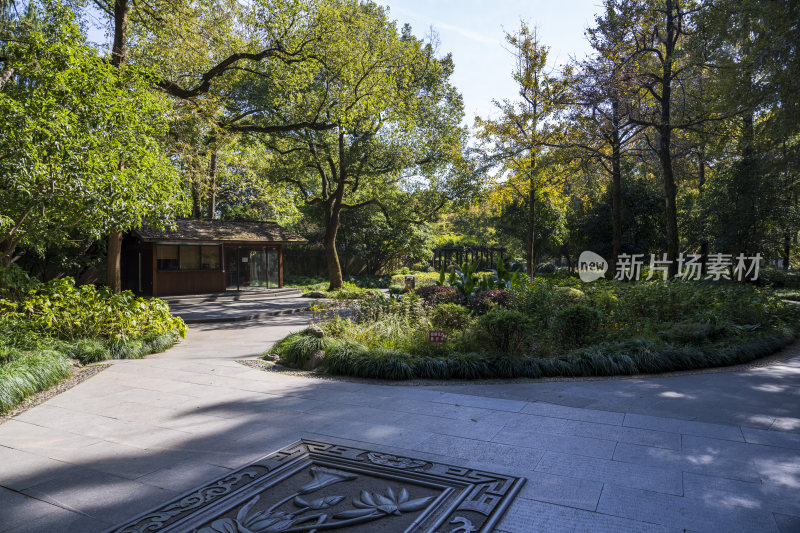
[(28, 373)]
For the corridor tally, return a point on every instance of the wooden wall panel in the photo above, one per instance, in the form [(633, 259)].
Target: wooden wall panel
[(176, 282)]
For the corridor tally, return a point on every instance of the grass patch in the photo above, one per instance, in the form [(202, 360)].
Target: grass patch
[(29, 373)]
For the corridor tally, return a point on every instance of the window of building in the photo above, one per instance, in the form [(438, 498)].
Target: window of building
[(190, 257), (167, 257), (210, 258)]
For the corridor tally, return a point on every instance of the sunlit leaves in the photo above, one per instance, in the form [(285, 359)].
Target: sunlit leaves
[(80, 149)]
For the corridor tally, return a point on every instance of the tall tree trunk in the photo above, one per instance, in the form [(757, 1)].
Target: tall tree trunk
[(212, 175), (787, 247), (329, 242), (670, 198), (665, 140), (701, 172), (113, 262), (197, 211), (616, 187), (530, 255)]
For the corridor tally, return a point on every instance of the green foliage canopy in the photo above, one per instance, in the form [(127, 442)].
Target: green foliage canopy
[(81, 147)]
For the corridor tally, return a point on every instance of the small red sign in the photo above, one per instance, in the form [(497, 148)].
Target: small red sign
[(437, 336)]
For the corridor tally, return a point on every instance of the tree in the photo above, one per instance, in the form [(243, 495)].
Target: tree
[(81, 145), (663, 62), (277, 30), (396, 143), (518, 139), (601, 106)]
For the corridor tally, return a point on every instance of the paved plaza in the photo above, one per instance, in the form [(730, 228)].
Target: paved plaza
[(704, 452)]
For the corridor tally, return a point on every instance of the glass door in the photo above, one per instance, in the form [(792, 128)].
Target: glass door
[(231, 268), (273, 268), (258, 268)]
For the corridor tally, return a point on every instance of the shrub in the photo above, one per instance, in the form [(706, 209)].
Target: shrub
[(88, 351), (421, 279), (62, 310), (28, 374), (565, 296), (158, 342), (576, 324), (351, 291), (505, 331), (437, 294), (449, 317), (296, 349), (545, 268), (692, 332), (484, 301), (354, 360), (536, 301), (408, 306)]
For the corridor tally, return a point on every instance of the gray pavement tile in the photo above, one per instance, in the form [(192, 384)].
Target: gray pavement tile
[(787, 523), (114, 458), (497, 404), (711, 464), (778, 466), (606, 471), (99, 495), (19, 470), (526, 516), (684, 513), (18, 510), (573, 413), (40, 440), (94, 425), (61, 521), (184, 476), (578, 428), (533, 437), (771, 438), (387, 433), (471, 429), (561, 490), (787, 423), (686, 427), (423, 407), (714, 491), (148, 397), (520, 459)]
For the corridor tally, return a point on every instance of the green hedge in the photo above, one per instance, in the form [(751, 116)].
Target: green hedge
[(612, 359)]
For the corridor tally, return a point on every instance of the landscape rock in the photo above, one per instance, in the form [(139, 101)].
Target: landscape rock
[(313, 330)]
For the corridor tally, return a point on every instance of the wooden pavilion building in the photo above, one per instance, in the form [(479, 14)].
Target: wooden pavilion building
[(205, 256)]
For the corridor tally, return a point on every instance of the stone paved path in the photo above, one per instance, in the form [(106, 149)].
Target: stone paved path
[(247, 308), (710, 452)]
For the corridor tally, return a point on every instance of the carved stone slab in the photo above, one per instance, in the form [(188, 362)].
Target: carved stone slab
[(313, 486)]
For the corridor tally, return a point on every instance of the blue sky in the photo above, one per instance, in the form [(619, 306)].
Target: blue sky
[(472, 30)]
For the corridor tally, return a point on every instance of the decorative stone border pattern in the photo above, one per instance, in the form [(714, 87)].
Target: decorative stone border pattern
[(370, 491)]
